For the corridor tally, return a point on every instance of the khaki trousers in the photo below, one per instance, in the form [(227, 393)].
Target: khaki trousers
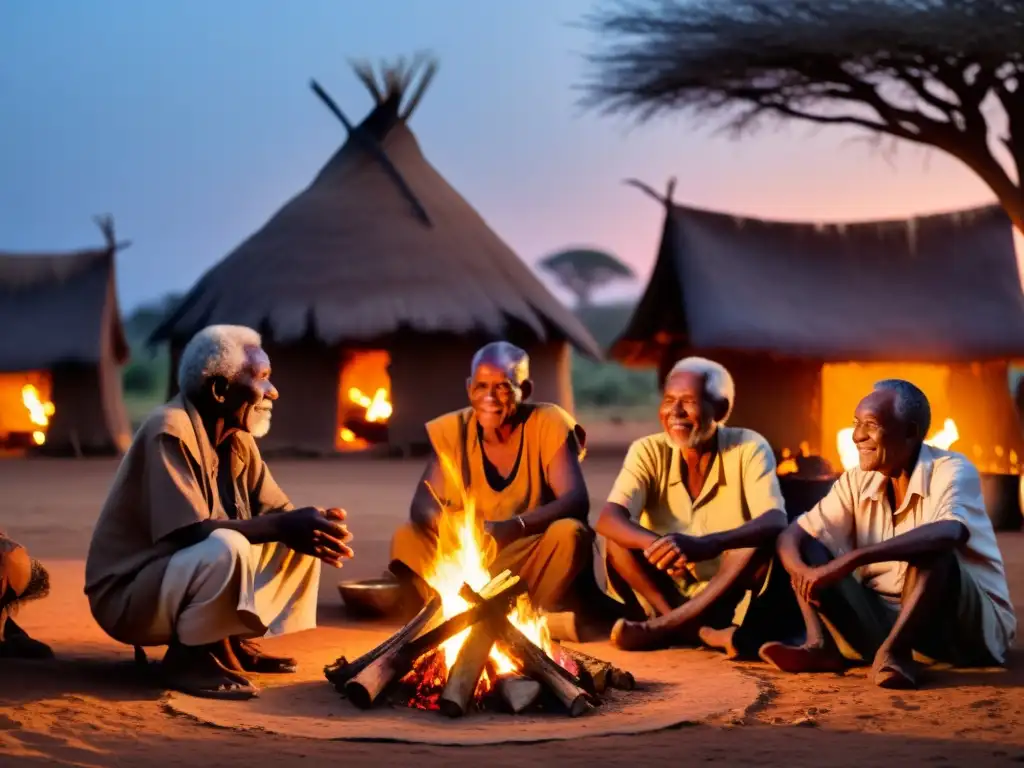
[(548, 562), (225, 586)]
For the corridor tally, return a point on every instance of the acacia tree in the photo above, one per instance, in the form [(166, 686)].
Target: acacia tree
[(947, 74), (582, 271)]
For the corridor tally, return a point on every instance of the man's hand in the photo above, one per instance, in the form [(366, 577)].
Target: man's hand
[(504, 532), (673, 551), (809, 583), (317, 532)]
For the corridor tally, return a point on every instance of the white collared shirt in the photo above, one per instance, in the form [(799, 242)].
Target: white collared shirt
[(943, 486)]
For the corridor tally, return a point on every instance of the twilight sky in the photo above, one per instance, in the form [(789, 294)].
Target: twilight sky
[(192, 122)]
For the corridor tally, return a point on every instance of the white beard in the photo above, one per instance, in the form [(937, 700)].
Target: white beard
[(259, 423)]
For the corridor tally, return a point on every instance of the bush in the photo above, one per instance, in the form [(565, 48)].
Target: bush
[(139, 378)]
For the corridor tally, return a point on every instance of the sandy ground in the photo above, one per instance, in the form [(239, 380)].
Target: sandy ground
[(91, 708)]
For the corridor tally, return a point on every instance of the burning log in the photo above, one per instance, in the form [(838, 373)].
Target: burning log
[(604, 674), (537, 664), (542, 668), (472, 659), (342, 670), (519, 693), (465, 672), (364, 688)]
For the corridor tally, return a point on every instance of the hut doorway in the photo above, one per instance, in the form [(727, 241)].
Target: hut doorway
[(364, 399), (25, 408)]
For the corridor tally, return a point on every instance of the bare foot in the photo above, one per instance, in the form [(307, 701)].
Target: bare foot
[(720, 640), (800, 658), (195, 670), (891, 671), (252, 658), (637, 636)]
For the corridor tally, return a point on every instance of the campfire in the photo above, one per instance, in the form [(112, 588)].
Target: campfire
[(478, 643)]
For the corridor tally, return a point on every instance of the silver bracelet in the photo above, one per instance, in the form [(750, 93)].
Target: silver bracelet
[(521, 522)]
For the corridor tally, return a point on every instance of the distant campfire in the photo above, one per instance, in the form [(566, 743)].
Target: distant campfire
[(478, 643), (25, 409), (364, 401)]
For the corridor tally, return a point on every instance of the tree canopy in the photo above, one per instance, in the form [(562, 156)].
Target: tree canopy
[(947, 74), (582, 270)]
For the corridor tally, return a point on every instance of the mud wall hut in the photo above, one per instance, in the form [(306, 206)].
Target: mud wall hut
[(61, 353), (374, 286), (808, 316)]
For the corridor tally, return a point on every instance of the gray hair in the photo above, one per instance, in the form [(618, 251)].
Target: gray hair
[(506, 356), (910, 403), (217, 350), (718, 383)]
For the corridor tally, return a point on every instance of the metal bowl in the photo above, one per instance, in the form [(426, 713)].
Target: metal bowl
[(372, 597)]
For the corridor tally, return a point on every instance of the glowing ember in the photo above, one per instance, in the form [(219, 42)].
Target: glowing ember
[(464, 552), (378, 407), (943, 439), (39, 411), (347, 435)]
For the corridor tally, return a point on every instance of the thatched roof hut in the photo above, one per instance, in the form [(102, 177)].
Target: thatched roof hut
[(380, 254), (808, 315), (65, 341)]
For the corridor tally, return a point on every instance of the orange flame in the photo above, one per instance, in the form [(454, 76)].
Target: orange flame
[(39, 411), (378, 408), (463, 555)]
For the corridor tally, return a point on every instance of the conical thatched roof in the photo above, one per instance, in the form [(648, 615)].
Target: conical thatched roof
[(379, 242), (56, 308)]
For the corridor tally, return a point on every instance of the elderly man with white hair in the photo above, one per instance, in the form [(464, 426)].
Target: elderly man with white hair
[(691, 522), (900, 558), (197, 547)]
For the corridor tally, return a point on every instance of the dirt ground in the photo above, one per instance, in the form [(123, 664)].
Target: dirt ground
[(89, 708)]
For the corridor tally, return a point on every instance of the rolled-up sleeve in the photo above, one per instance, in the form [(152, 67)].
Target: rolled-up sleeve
[(760, 482), (176, 498), (831, 520), (634, 480)]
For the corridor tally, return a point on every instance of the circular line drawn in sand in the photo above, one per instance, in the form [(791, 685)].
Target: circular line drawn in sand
[(673, 687)]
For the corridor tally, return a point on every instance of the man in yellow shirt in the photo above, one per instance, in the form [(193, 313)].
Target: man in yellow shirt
[(520, 463), (691, 522)]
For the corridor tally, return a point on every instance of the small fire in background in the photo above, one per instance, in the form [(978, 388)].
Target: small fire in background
[(364, 400), (378, 407), (39, 411), (943, 439)]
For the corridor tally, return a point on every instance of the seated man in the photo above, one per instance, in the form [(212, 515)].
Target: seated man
[(21, 579), (691, 522), (197, 547), (899, 558), (520, 463)]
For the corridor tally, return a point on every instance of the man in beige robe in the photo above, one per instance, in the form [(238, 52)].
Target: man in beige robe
[(197, 547)]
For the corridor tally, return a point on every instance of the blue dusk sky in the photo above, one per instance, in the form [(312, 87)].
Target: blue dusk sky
[(192, 122)]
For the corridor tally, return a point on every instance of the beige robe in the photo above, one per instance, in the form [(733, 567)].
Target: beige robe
[(139, 584)]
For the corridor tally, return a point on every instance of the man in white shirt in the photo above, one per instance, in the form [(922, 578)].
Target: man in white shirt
[(925, 578)]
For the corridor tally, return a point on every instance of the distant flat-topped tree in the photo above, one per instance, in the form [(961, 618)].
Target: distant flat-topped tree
[(583, 270), (933, 72)]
